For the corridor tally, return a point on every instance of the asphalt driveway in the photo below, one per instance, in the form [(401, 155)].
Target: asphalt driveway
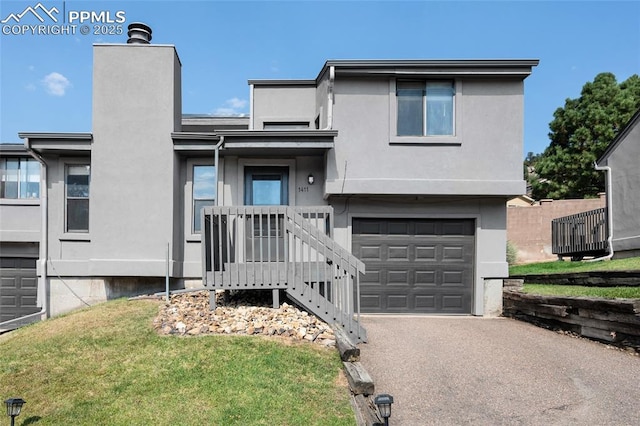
[(476, 371)]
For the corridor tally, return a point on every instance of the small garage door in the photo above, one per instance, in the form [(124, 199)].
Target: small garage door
[(415, 265), (18, 287)]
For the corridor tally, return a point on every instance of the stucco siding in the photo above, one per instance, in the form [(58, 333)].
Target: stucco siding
[(133, 187), (489, 215), (489, 121), (20, 220), (283, 104)]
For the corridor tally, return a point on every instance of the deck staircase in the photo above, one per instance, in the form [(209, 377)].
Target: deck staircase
[(284, 248)]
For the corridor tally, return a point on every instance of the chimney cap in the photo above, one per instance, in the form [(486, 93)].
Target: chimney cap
[(139, 33)]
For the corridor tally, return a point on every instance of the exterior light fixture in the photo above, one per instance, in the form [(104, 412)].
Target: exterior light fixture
[(384, 401), (311, 179), (14, 406)]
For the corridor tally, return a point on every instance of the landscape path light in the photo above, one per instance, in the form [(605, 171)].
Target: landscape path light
[(384, 401), (14, 406)]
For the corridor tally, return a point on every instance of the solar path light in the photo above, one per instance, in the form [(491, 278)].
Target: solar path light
[(384, 401), (14, 406)]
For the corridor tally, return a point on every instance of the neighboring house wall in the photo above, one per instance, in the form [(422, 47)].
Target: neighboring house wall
[(20, 227), (529, 227), (20, 221), (624, 181)]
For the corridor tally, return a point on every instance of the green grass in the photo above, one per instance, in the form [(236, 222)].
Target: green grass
[(557, 267), (576, 290), (106, 365)]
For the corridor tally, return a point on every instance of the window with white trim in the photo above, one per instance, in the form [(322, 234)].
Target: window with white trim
[(425, 108), (19, 178), (77, 180), (203, 192)]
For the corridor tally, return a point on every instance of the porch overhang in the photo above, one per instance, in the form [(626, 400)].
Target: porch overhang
[(58, 142), (263, 142)]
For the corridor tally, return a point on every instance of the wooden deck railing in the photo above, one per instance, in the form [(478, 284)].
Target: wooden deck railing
[(289, 248), (581, 234)]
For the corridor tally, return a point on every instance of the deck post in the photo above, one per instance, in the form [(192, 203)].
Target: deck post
[(276, 298), (212, 300)]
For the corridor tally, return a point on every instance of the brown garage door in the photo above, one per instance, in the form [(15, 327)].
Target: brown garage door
[(18, 287), (415, 265)]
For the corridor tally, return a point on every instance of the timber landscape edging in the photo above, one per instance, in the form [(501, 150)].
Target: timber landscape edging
[(593, 278), (613, 321)]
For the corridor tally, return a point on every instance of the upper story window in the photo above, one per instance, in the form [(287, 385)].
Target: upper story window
[(204, 192), (19, 178), (77, 180), (425, 108)]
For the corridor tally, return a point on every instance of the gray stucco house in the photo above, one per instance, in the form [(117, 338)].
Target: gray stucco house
[(620, 162), (408, 162)]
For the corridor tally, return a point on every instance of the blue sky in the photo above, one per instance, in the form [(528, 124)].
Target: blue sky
[(45, 80)]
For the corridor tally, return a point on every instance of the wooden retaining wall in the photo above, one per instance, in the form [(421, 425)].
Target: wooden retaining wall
[(614, 321), (593, 278)]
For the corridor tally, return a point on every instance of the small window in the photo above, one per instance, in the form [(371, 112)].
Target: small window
[(285, 125), (77, 197), (425, 108), (204, 192), (19, 178)]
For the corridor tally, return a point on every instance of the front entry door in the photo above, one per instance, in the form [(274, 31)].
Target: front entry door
[(266, 186)]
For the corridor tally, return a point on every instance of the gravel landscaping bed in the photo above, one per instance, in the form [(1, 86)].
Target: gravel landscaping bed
[(242, 313)]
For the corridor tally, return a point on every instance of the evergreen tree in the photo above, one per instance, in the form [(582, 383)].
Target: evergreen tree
[(580, 133)]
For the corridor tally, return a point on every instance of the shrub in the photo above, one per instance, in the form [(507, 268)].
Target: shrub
[(512, 253)]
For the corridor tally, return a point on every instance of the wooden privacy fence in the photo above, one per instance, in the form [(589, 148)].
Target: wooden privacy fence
[(581, 234)]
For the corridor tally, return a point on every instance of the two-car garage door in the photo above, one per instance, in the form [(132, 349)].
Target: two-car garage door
[(415, 265)]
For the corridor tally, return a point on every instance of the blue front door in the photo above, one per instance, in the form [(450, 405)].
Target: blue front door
[(266, 186)]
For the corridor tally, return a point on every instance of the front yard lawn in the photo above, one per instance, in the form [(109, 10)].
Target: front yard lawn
[(558, 267), (106, 365), (576, 290)]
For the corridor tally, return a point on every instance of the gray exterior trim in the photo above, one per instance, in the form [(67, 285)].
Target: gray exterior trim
[(436, 67), (193, 142), (56, 136), (284, 82), (418, 67), (279, 133), (138, 46), (424, 186), (58, 141), (13, 150)]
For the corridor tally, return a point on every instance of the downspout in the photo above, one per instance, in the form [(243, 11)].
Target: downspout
[(216, 158), (330, 97), (43, 286), (609, 190)]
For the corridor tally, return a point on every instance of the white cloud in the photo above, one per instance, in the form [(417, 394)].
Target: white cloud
[(56, 84), (30, 87), (232, 107)]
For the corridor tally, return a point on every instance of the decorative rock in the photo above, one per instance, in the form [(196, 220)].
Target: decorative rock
[(243, 313)]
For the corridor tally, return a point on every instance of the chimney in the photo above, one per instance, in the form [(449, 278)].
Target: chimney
[(138, 33)]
